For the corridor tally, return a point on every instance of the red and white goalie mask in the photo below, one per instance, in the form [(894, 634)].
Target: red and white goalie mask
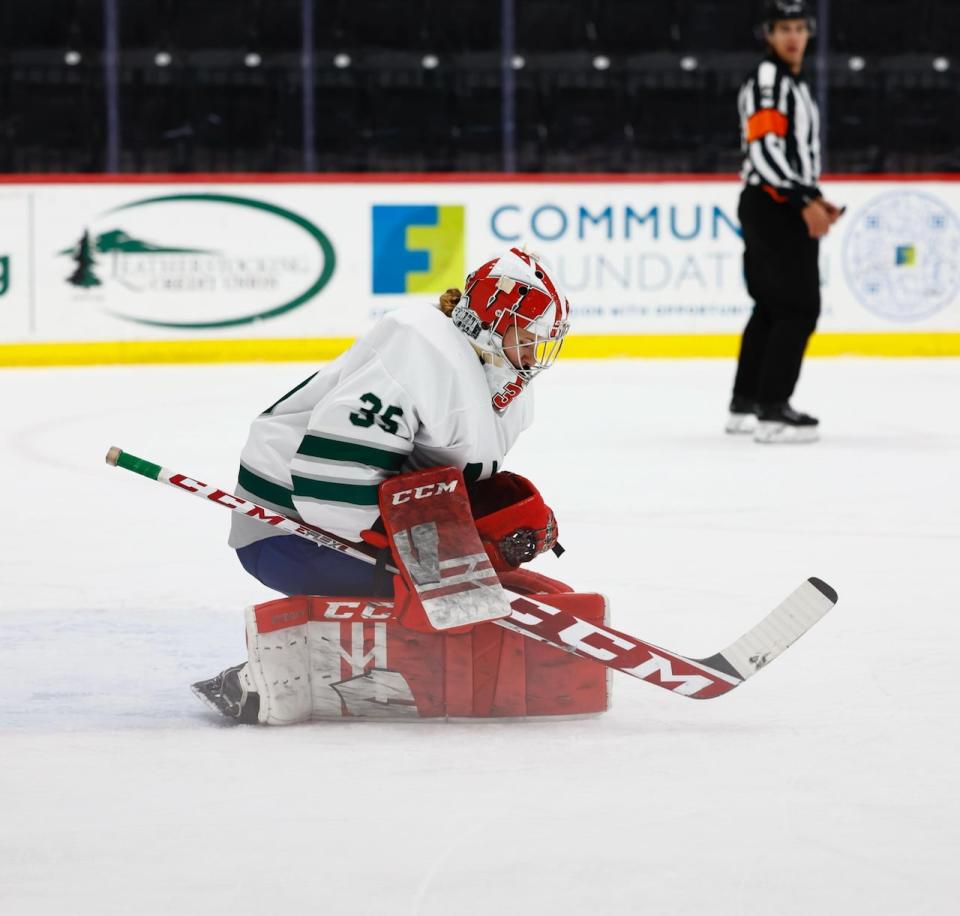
[(514, 311)]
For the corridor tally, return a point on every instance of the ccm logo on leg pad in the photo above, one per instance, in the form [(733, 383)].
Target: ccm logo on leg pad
[(424, 492)]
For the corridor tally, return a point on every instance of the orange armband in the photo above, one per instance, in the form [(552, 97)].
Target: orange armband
[(766, 121)]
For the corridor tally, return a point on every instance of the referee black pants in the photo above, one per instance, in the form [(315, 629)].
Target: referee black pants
[(782, 271)]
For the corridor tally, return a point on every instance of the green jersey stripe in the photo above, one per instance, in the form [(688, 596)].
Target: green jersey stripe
[(290, 393), (401, 446), (357, 494), (334, 450), (265, 489)]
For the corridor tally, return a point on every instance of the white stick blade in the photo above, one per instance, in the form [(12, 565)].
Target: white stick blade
[(782, 627)]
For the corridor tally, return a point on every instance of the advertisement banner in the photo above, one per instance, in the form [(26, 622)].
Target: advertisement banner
[(214, 259)]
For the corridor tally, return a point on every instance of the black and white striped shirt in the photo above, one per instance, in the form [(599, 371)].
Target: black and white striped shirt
[(780, 126)]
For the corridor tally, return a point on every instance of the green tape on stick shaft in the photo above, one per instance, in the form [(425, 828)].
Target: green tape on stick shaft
[(139, 465)]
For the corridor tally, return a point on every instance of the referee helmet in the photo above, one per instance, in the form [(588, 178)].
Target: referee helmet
[(776, 10)]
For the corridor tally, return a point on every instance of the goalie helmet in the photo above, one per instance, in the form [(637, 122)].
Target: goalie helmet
[(515, 290), (777, 10)]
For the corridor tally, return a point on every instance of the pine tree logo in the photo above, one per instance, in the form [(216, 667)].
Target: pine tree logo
[(84, 275), (4, 273)]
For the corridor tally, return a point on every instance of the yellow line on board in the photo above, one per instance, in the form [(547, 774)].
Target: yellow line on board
[(173, 351), (944, 343), (632, 346), (583, 346)]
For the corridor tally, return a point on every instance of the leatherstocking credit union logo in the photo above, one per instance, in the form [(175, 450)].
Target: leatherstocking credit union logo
[(198, 261), (417, 249), (901, 255)]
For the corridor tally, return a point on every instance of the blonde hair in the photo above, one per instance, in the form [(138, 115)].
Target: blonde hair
[(449, 300)]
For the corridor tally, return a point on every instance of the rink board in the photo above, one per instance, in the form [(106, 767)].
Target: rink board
[(204, 268)]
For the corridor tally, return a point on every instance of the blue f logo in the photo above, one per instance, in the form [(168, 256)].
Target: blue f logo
[(417, 249)]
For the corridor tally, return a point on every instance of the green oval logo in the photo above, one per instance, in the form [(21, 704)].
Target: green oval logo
[(199, 275)]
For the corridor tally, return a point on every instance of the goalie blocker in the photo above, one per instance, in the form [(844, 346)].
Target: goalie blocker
[(433, 652), (454, 547)]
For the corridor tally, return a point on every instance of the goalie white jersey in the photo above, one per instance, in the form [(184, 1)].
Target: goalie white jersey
[(411, 394)]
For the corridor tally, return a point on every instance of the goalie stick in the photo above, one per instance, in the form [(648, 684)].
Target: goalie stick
[(701, 679)]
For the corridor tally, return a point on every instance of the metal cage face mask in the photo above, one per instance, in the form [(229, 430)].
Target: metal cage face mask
[(533, 350)]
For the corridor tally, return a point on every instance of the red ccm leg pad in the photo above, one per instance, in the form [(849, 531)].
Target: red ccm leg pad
[(557, 686), (359, 662), (447, 578)]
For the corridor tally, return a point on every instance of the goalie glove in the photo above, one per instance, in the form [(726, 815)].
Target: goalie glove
[(514, 522)]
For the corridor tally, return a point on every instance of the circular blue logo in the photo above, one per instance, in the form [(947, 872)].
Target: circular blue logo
[(901, 255)]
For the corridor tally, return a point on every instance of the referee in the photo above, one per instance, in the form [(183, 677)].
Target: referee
[(783, 216)]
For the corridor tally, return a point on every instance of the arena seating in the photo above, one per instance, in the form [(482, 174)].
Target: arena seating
[(600, 85)]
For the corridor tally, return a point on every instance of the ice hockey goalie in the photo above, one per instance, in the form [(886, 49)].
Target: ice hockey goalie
[(442, 647)]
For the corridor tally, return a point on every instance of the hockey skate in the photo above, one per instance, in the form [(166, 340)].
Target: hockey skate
[(743, 416), (781, 423), (230, 693)]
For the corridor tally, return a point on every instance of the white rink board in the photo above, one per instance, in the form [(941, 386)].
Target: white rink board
[(221, 259)]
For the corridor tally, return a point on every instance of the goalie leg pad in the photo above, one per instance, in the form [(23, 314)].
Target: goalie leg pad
[(346, 658)]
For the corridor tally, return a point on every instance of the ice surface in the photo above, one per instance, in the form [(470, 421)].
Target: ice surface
[(827, 785)]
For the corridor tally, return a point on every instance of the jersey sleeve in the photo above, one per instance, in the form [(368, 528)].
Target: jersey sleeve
[(360, 433), (765, 125)]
